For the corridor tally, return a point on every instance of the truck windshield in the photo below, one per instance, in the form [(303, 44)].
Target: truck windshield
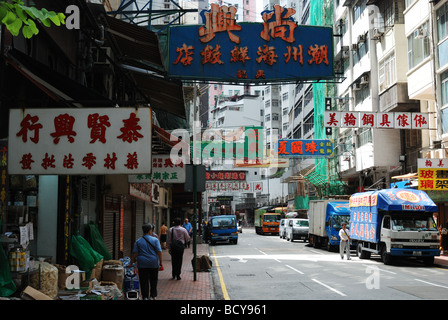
[(272, 218), (337, 221), (413, 223), (301, 223), (223, 223)]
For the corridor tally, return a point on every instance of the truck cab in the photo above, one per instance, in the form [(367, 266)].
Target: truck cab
[(408, 234), (223, 228)]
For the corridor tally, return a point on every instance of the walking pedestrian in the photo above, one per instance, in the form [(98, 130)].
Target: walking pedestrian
[(163, 235), (177, 237), (345, 241), (189, 228), (148, 254)]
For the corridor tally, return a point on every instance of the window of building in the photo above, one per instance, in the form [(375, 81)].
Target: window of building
[(358, 9), (442, 22), (275, 117), (418, 47), (364, 136), (408, 3), (387, 74), (444, 81)]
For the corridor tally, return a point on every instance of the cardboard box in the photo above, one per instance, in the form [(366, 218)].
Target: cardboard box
[(35, 294)]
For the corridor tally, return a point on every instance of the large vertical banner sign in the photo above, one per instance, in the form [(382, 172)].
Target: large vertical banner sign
[(80, 141), (432, 174), (275, 50)]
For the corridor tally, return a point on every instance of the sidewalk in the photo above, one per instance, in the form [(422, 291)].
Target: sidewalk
[(441, 261), (187, 288)]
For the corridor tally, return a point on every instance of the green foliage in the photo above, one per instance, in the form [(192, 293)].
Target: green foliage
[(16, 16)]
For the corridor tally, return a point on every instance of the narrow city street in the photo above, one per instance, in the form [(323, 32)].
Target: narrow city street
[(269, 268)]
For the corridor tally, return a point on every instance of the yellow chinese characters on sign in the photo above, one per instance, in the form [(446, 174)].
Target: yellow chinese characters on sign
[(433, 174)]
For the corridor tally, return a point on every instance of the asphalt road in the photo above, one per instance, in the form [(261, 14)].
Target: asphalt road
[(269, 268)]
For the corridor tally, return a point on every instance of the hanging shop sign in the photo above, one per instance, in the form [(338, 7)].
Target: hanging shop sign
[(163, 170), (80, 141), (241, 187), (379, 120), (223, 175), (432, 174), (305, 148), (278, 49)]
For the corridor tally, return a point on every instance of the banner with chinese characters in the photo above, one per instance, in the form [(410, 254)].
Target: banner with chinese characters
[(276, 50), (305, 148), (234, 186), (80, 141), (223, 175), (379, 120), (432, 174), (163, 170)]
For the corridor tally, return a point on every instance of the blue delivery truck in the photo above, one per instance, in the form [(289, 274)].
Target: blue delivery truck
[(223, 228), (325, 221), (394, 223)]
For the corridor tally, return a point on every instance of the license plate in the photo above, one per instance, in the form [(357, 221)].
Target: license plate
[(224, 238), (416, 253)]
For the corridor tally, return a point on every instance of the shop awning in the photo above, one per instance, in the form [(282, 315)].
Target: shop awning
[(406, 176), (57, 86), (138, 54)]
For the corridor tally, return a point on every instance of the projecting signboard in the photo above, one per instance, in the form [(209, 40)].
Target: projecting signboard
[(305, 148), (432, 174), (79, 141), (164, 170), (379, 120), (276, 50)]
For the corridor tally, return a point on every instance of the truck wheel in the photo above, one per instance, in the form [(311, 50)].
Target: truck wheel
[(386, 257), (362, 254)]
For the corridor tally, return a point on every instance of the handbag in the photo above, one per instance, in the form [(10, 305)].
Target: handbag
[(176, 245)]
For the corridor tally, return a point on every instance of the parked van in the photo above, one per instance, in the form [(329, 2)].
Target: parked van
[(297, 229), (282, 228)]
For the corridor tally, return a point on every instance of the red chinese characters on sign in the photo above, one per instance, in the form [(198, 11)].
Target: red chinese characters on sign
[(239, 54), (130, 130), (279, 24), (219, 19), (63, 125), (185, 54), (349, 119), (332, 120), (211, 55), (318, 54), (267, 55), (368, 120), (225, 175), (30, 123), (98, 125)]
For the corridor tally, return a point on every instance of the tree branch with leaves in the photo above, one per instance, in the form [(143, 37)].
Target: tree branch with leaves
[(16, 16)]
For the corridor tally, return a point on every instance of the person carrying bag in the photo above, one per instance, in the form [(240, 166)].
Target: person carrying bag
[(177, 237)]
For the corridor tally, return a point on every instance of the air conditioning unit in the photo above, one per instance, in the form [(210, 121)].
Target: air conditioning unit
[(354, 47), (357, 86), (377, 33), (420, 33), (362, 38), (364, 80), (345, 53)]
